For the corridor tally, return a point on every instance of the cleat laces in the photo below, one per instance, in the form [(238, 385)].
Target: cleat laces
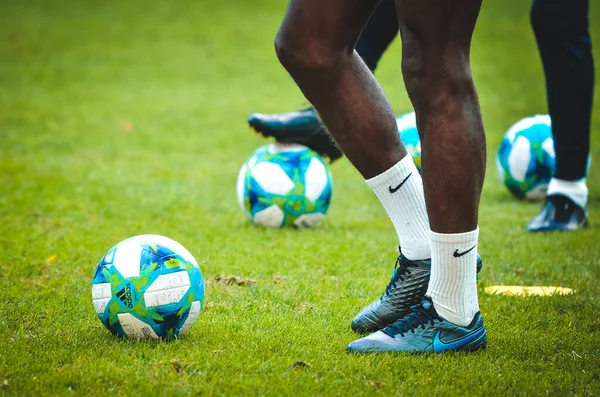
[(419, 317), (400, 269)]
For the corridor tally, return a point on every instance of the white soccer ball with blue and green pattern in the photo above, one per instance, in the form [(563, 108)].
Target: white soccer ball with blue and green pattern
[(284, 185), (526, 158), (407, 128), (148, 287)]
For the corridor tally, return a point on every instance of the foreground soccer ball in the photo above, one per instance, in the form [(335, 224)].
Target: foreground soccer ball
[(148, 287), (526, 158), (407, 128), (284, 185)]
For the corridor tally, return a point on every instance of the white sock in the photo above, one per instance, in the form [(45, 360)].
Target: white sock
[(575, 190), (453, 282), (400, 190)]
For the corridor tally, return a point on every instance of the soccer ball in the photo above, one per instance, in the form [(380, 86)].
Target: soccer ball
[(148, 287), (526, 159), (407, 128), (284, 185)]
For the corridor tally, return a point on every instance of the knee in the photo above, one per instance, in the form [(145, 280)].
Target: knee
[(413, 71), (430, 79), (288, 48), (305, 54)]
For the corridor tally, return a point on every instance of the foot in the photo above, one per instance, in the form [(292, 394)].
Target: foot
[(406, 288), (303, 127), (423, 330), (560, 213)]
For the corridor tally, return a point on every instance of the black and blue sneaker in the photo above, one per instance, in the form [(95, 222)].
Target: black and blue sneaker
[(423, 330), (406, 288), (303, 127), (560, 214)]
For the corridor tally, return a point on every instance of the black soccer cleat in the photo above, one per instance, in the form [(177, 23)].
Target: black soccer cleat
[(406, 288), (303, 127), (560, 213)]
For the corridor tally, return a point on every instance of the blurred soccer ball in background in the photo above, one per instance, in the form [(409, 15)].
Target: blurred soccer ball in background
[(407, 128), (284, 185), (526, 158), (148, 287)]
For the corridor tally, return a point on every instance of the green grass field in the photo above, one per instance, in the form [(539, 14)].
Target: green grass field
[(127, 117)]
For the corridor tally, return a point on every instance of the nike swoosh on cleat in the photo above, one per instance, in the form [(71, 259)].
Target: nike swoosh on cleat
[(457, 254), (395, 189), (440, 346)]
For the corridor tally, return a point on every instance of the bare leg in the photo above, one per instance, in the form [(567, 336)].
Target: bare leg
[(436, 37), (304, 126), (316, 45)]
